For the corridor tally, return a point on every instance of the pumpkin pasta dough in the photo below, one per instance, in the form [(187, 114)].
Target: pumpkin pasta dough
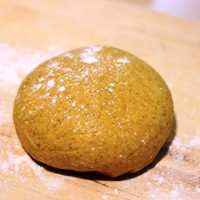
[(95, 108)]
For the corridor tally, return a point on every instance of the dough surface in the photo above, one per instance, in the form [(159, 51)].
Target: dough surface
[(95, 108)]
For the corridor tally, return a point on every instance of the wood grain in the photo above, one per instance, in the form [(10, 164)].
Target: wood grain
[(32, 31)]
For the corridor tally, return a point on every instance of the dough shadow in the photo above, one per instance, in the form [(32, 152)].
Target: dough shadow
[(98, 177)]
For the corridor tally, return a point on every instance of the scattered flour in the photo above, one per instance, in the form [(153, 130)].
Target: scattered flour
[(178, 183), (20, 167), (88, 56), (197, 188), (36, 87), (123, 60), (116, 191), (90, 59), (61, 89), (15, 165), (69, 55), (16, 62), (195, 142), (104, 196), (51, 83)]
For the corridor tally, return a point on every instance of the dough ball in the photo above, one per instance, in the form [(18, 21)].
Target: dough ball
[(95, 108)]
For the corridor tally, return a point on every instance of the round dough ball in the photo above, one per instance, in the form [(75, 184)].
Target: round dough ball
[(95, 108)]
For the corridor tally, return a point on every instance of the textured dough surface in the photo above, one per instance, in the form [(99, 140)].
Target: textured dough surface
[(95, 108)]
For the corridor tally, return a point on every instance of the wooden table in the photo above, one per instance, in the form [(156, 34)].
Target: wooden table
[(33, 31)]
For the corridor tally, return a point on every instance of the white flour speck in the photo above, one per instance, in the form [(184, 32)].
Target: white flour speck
[(123, 60), (41, 79), (104, 196), (74, 104), (10, 76), (174, 193), (177, 142), (53, 64), (195, 142), (160, 180), (68, 69), (110, 90), (197, 189), (69, 55), (36, 87), (88, 56), (51, 73), (111, 84), (61, 89), (86, 72), (46, 95), (90, 59), (116, 191), (51, 83), (53, 100)]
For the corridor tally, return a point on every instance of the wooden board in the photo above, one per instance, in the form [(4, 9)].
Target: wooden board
[(33, 31)]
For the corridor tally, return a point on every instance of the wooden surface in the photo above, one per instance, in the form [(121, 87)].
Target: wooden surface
[(32, 31)]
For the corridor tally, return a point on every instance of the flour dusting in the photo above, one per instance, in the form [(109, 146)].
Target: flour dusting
[(123, 60), (89, 56), (61, 89), (15, 165), (51, 83), (90, 59), (16, 62), (20, 167), (195, 142), (104, 196)]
